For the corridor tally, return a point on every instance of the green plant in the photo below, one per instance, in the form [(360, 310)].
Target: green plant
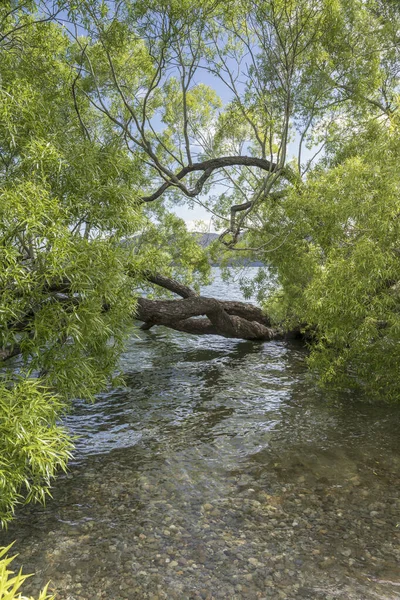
[(10, 582)]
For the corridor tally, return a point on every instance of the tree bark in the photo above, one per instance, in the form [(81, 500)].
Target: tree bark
[(229, 319), (207, 167), (201, 315)]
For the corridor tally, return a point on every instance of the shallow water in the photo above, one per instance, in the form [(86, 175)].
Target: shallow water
[(220, 472)]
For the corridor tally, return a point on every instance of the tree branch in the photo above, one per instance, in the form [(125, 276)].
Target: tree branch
[(211, 165)]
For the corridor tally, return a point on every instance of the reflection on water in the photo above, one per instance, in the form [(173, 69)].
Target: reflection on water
[(221, 472)]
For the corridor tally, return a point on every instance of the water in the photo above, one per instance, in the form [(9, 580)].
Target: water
[(220, 472)]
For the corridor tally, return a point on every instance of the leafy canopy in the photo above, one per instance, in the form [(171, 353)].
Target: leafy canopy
[(111, 114)]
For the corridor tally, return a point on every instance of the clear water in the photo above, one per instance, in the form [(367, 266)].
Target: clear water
[(221, 471)]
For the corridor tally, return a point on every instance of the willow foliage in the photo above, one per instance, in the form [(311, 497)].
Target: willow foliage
[(66, 302), (11, 582), (344, 268), (74, 242), (103, 128)]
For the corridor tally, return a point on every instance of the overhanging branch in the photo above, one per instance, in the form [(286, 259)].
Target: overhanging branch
[(229, 319), (211, 165)]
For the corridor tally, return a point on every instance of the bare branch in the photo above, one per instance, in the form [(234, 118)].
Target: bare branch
[(211, 165)]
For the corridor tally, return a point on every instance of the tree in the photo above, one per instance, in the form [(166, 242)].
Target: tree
[(70, 276), (106, 122), (344, 277), (55, 280)]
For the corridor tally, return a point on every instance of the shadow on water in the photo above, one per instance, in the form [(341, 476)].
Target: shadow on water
[(220, 471)]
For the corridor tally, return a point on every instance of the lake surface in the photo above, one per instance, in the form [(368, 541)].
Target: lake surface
[(220, 471)]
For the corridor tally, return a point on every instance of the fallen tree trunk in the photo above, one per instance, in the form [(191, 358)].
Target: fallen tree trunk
[(201, 315), (223, 318)]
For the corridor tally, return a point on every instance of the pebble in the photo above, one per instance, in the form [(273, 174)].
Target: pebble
[(173, 564)]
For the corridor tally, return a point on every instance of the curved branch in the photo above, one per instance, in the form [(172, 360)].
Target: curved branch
[(211, 165), (226, 318), (232, 307)]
